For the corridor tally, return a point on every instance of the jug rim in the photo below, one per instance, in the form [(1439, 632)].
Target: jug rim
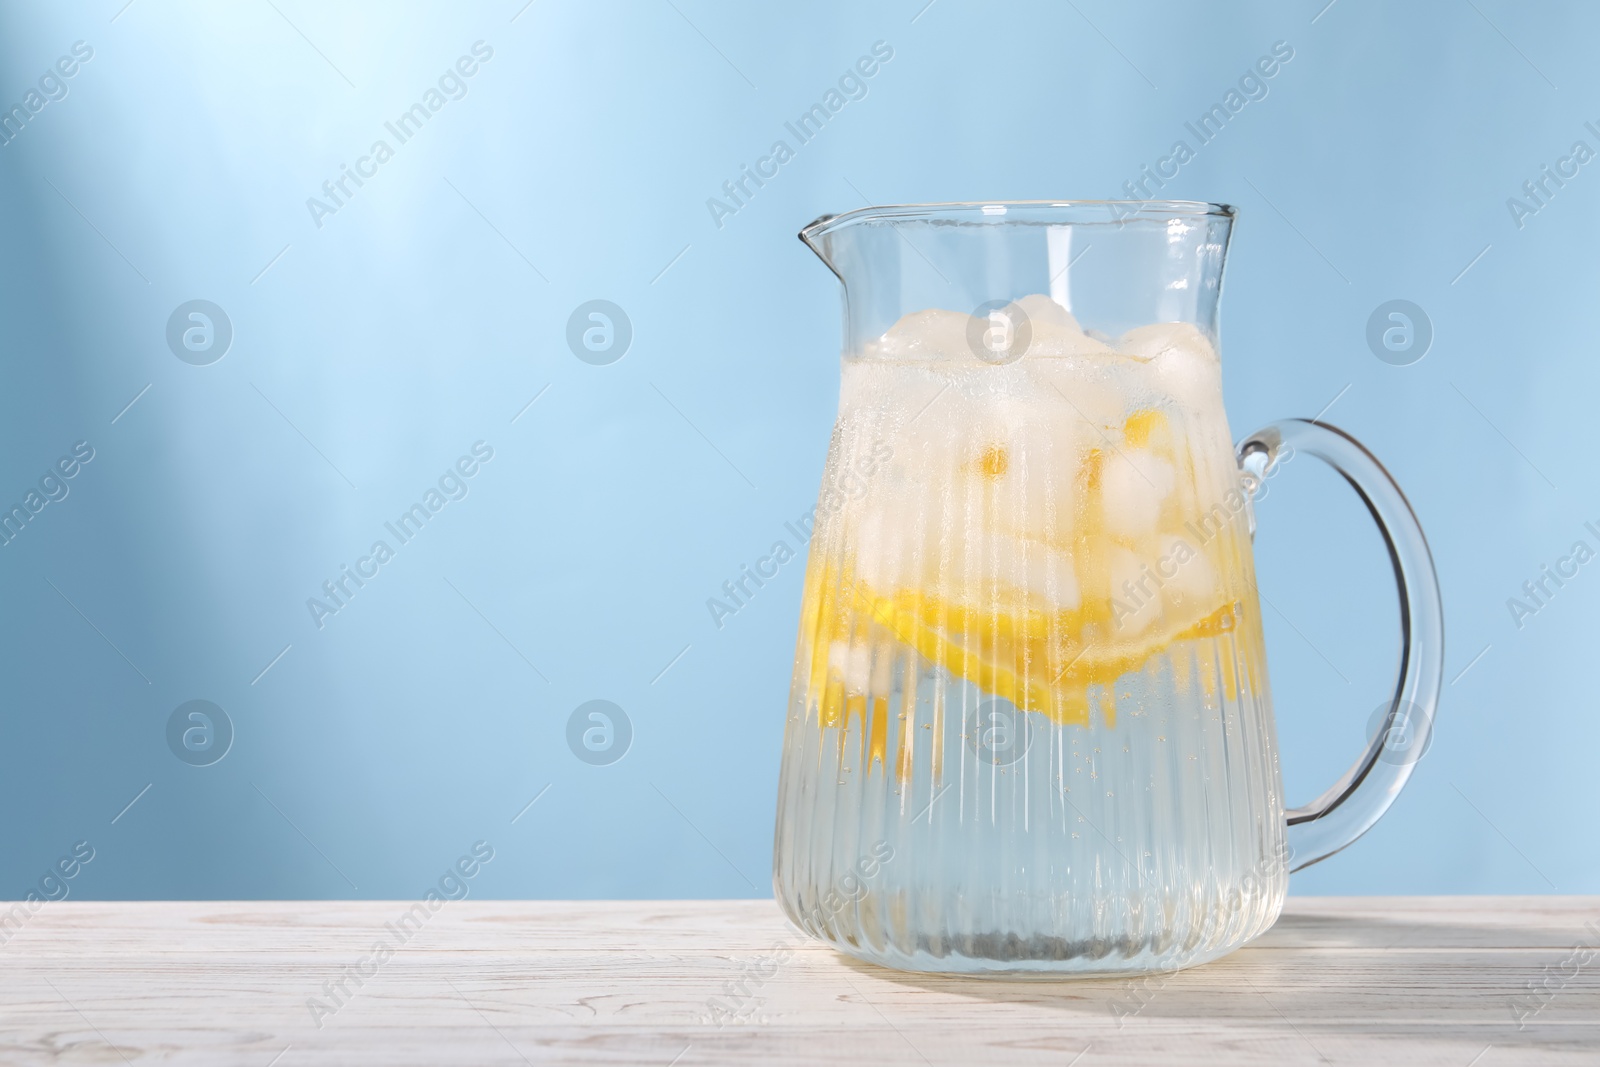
[(1034, 212)]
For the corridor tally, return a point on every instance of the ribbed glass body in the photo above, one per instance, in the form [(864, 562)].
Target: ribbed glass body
[(1029, 727)]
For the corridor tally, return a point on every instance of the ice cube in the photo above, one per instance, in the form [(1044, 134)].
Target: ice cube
[(1194, 584), (1046, 574), (1182, 363), (1134, 484), (1097, 405), (932, 334), (1149, 342), (1056, 334), (852, 663), (1042, 311), (1000, 570)]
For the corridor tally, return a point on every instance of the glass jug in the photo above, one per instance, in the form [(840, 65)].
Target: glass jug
[(1029, 727)]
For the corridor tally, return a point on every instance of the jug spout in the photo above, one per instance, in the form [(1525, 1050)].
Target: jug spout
[(1112, 265), (813, 236)]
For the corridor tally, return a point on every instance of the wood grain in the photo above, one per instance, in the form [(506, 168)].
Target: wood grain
[(1358, 981)]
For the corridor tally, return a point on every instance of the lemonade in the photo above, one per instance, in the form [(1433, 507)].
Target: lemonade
[(1030, 657), (1043, 528)]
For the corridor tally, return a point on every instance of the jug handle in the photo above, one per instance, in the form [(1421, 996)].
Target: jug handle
[(1357, 800)]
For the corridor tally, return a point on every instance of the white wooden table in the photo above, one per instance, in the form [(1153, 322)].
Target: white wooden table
[(1345, 981)]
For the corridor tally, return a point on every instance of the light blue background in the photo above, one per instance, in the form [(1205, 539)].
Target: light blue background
[(431, 308)]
